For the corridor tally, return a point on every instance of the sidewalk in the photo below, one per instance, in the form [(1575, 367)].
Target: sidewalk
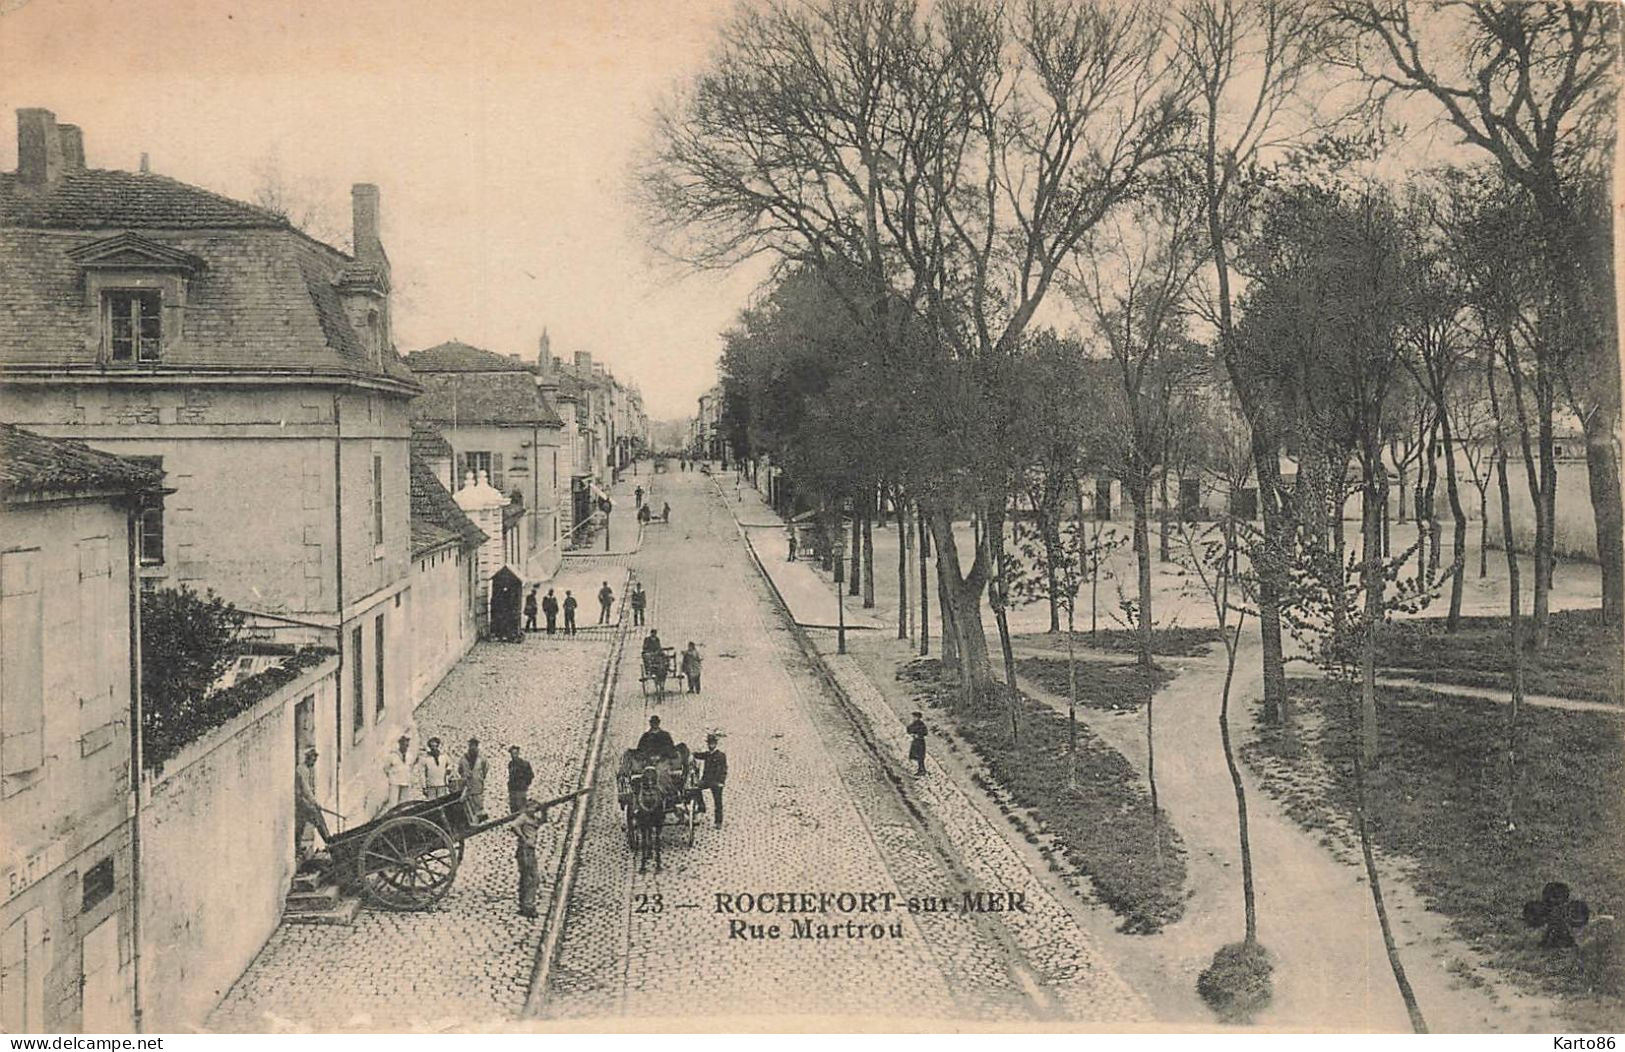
[(809, 593)]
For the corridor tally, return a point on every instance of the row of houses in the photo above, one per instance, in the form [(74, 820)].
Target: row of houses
[(705, 437), (197, 394)]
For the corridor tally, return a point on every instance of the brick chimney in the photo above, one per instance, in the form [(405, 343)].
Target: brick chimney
[(73, 147), (39, 148), (369, 247)]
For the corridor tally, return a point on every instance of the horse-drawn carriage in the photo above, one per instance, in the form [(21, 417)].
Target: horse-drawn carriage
[(407, 857), (651, 789), (659, 666)]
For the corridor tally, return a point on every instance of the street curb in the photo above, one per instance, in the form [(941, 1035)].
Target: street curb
[(536, 996)]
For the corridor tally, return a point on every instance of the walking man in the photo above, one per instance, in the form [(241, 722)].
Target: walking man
[(550, 610), (713, 774), (520, 776), (606, 598), (640, 600), (530, 877), (916, 748), (434, 766), (471, 771), (530, 611), (307, 812), (691, 667), (570, 605), (638, 495), (399, 769)]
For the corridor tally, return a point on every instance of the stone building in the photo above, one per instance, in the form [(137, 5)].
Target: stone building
[(255, 366), (445, 604), (497, 421), (69, 678)]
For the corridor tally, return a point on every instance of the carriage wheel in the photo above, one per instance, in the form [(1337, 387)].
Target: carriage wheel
[(407, 863)]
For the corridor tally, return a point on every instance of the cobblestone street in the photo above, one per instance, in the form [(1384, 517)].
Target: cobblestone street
[(812, 805), (468, 962)]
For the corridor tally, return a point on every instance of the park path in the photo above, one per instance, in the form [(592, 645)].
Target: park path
[(813, 805), (1315, 912)]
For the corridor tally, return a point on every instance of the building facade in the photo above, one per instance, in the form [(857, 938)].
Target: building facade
[(69, 684), (255, 367)]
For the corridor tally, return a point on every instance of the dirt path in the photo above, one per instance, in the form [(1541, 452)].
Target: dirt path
[(1315, 913)]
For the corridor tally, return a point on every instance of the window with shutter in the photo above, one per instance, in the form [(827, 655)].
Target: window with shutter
[(496, 472), (22, 669)]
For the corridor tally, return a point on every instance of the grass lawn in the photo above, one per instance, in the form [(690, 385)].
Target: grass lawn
[(1583, 660), (1103, 827), (1438, 800), (1165, 642), (1101, 684)]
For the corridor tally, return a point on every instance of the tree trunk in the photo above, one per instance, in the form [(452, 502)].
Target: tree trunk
[(903, 607), (1458, 555), (868, 558), (853, 583), (1602, 464), (1163, 553), (1267, 466), (993, 533), (1484, 533), (1139, 496), (1515, 625), (1371, 573), (960, 597), (1248, 901), (923, 543), (1051, 533)]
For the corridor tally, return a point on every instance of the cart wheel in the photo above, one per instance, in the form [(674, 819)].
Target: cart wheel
[(693, 822), (408, 863)]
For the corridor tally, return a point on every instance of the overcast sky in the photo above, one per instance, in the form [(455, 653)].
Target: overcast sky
[(501, 133)]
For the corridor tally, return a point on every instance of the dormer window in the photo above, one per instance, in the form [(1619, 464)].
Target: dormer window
[(134, 324)]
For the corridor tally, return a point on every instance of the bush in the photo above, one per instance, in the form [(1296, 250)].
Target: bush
[(1237, 984)]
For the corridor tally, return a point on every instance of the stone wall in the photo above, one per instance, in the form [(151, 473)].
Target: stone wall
[(217, 851)]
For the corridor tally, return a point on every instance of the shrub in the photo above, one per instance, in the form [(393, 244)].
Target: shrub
[(1237, 984), (187, 642)]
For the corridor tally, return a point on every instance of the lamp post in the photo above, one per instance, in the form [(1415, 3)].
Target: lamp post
[(840, 592)]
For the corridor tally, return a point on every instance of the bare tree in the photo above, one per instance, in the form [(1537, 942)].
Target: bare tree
[(298, 201), (1533, 86), (953, 155)]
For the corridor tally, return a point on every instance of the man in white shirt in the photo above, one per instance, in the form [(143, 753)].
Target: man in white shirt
[(435, 768), (399, 770)]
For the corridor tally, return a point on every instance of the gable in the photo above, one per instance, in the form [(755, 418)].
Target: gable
[(131, 251)]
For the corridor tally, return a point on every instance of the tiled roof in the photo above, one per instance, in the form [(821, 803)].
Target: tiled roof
[(429, 443), (456, 357), (457, 399), (99, 198), (31, 464), (436, 518), (262, 296)]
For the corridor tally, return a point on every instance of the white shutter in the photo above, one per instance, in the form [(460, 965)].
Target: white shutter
[(22, 672)]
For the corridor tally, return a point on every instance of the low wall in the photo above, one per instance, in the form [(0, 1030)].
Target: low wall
[(217, 853)]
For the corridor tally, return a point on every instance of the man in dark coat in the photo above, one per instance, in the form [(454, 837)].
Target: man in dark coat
[(550, 610), (713, 774), (916, 748), (520, 776), (656, 742), (530, 611), (570, 605), (640, 601), (606, 599)]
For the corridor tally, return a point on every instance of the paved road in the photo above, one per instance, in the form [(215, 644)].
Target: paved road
[(469, 962), (811, 808)]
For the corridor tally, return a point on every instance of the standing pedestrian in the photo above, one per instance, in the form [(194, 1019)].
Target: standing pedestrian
[(640, 600), (665, 511), (638, 495), (916, 748), (399, 769), (525, 831), (713, 774), (520, 776), (306, 811), (471, 771), (570, 605), (606, 599), (791, 530), (434, 766), (691, 667), (530, 611), (550, 610)]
